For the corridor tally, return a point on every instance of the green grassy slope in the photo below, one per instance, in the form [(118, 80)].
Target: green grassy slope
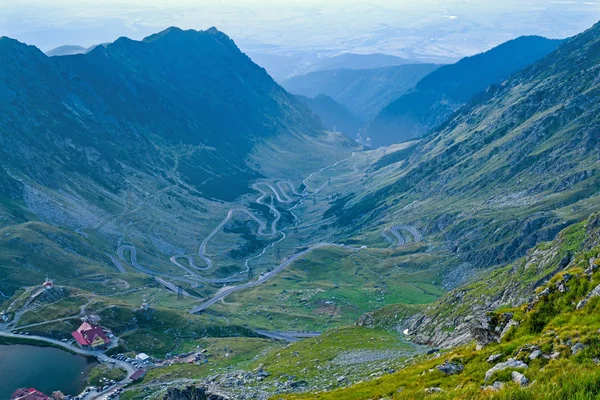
[(509, 171), (553, 321)]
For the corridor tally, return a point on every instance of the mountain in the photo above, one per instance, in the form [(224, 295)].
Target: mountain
[(509, 184), (334, 116), (97, 110), (540, 344), (445, 90), (282, 67), (358, 61), (363, 91), (181, 120), (66, 50), (511, 169)]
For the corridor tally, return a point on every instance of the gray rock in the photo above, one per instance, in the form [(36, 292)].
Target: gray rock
[(432, 390), (506, 329), (519, 379), (594, 293), (510, 363), (450, 368), (577, 348), (481, 331), (495, 386), (581, 304), (544, 292), (494, 358), (555, 355), (341, 379), (561, 287), (535, 354)]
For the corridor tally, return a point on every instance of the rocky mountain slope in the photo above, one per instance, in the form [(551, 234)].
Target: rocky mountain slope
[(534, 330), (97, 112), (334, 116), (123, 141), (510, 170), (363, 91), (443, 91)]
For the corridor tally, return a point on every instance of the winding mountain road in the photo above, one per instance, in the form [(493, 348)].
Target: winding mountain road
[(263, 278), (395, 230), (279, 191)]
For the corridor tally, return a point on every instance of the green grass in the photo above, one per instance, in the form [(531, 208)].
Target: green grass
[(220, 354), (333, 287), (553, 325), (98, 374), (321, 360)]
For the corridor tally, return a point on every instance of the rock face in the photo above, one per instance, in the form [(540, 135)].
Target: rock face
[(192, 393), (510, 363)]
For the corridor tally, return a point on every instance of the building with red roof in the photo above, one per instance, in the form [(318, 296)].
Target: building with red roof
[(48, 284), (28, 394), (139, 374), (90, 336)]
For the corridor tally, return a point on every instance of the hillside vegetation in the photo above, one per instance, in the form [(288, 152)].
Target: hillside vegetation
[(446, 89), (544, 348), (512, 169)]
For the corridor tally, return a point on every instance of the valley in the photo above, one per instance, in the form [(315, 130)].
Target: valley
[(167, 208)]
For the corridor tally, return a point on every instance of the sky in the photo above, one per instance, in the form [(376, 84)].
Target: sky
[(420, 29)]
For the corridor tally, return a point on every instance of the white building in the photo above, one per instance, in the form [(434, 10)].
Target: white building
[(142, 357)]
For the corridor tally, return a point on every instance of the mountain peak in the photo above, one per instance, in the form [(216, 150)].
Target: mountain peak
[(176, 33), (12, 51)]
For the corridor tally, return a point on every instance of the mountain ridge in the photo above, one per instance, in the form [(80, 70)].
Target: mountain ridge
[(446, 89)]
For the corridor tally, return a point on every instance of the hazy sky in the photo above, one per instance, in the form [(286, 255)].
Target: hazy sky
[(415, 28)]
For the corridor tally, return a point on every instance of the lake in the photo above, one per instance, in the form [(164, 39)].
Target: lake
[(45, 368)]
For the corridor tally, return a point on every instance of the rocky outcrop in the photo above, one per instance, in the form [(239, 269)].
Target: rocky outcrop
[(450, 368), (511, 363)]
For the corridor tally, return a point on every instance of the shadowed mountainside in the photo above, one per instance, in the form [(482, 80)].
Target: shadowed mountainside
[(445, 90)]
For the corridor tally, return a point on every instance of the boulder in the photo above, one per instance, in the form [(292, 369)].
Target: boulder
[(432, 390), (193, 393), (577, 348), (510, 363), (494, 358), (482, 332), (519, 379), (450, 368), (506, 329), (535, 354), (495, 386)]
